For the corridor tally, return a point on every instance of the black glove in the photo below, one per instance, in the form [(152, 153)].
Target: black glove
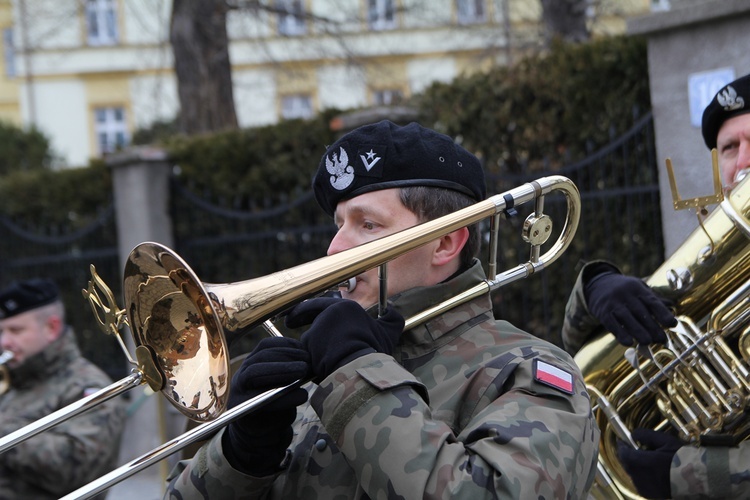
[(256, 443), (649, 466), (342, 331), (628, 308)]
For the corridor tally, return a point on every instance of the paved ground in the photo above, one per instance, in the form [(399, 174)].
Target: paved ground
[(146, 485), (144, 431)]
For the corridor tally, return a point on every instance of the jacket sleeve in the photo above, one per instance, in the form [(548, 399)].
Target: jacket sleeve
[(71, 454), (711, 472), (209, 475), (579, 324), (525, 440)]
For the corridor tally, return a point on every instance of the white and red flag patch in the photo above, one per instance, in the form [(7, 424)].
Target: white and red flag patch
[(553, 376)]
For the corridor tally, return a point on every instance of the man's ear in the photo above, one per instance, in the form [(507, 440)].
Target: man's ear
[(54, 327), (449, 246)]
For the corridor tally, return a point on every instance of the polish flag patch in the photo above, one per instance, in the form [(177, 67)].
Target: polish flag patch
[(553, 376)]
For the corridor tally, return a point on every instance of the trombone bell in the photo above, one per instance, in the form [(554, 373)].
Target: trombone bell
[(177, 330)]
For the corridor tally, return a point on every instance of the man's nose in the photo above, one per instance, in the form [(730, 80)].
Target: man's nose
[(339, 242), (743, 158)]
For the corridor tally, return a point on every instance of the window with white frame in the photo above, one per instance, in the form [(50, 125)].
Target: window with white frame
[(387, 97), (101, 22), (296, 106), (660, 5), (291, 20), (9, 52), (471, 11), (381, 14), (111, 129)]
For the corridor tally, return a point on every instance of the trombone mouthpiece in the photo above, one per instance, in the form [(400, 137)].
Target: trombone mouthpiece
[(348, 285)]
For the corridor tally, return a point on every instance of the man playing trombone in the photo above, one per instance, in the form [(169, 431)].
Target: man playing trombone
[(461, 406), (46, 373)]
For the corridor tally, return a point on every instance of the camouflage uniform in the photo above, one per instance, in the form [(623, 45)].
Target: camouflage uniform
[(455, 413), (697, 472), (579, 324), (72, 453)]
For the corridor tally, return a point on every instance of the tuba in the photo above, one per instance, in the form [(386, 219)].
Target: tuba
[(698, 383)]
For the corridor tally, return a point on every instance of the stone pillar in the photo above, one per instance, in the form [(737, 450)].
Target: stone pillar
[(693, 40), (141, 189)]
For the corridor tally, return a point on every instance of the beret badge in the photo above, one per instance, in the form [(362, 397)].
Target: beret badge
[(729, 100), (342, 174)]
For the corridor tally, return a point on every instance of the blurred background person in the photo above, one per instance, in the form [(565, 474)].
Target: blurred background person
[(46, 373)]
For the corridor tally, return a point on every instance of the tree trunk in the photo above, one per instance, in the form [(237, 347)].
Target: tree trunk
[(200, 44), (565, 19)]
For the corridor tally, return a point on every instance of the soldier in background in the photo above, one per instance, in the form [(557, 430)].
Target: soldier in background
[(47, 373), (603, 299), (462, 406)]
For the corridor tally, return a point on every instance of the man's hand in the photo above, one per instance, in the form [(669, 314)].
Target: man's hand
[(628, 308), (649, 466), (256, 443), (342, 331)]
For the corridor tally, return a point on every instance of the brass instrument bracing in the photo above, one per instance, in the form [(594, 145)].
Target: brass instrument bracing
[(697, 384)]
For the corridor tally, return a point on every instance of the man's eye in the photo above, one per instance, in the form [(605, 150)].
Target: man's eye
[(368, 225)]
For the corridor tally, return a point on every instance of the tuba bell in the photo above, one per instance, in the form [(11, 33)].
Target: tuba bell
[(698, 383)]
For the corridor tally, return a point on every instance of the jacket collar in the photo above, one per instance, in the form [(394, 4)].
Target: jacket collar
[(41, 366), (433, 333)]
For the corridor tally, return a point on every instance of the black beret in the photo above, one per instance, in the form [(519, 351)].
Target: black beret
[(26, 295), (384, 155), (732, 100)]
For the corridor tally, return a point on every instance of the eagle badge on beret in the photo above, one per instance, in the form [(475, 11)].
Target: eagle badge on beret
[(729, 100), (10, 305), (342, 174)]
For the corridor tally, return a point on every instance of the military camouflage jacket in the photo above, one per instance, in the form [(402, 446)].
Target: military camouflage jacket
[(697, 472), (579, 324), (456, 413), (73, 453)]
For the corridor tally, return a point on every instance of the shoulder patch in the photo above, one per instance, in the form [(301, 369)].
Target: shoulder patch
[(553, 376)]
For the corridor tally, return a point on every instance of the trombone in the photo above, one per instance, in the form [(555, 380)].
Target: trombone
[(182, 327)]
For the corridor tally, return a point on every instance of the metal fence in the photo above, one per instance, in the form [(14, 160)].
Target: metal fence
[(65, 256)]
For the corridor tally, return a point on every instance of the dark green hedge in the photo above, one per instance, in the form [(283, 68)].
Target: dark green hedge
[(545, 111), (23, 150), (65, 200), (255, 167)]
